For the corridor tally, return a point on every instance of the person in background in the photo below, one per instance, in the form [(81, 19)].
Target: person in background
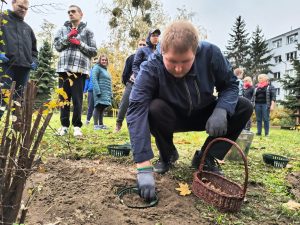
[(18, 53), (127, 73), (102, 91), (173, 92), (88, 89), (76, 46), (239, 72), (264, 98), (248, 91)]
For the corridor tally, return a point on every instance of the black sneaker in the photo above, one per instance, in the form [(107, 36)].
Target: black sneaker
[(162, 166), (210, 163)]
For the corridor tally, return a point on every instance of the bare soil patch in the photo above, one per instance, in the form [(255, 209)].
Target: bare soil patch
[(84, 192)]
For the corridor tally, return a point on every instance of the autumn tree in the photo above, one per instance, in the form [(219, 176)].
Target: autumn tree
[(238, 45), (131, 20)]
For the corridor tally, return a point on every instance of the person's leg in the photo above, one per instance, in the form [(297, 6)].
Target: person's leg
[(77, 98), (90, 106), (101, 113), (266, 118), (96, 115), (124, 104), (258, 113), (21, 77), (64, 83)]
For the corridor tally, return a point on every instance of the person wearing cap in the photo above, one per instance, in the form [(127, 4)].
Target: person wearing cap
[(143, 53), (174, 92)]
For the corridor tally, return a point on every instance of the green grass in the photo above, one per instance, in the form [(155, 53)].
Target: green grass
[(267, 188)]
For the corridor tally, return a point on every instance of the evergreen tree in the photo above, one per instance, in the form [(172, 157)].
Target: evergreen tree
[(45, 74), (291, 83), (238, 45), (259, 61)]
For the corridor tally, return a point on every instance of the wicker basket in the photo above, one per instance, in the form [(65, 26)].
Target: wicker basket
[(119, 150), (216, 190), (275, 160)]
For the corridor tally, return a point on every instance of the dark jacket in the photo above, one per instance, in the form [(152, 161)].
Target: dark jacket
[(248, 92), (127, 72), (142, 55), (20, 42), (186, 95), (268, 92)]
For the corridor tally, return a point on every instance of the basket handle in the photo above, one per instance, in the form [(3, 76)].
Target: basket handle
[(239, 150)]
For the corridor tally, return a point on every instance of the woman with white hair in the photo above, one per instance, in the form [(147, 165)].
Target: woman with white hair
[(264, 98)]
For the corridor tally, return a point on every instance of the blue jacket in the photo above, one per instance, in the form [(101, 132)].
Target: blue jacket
[(142, 55), (102, 89), (88, 86), (187, 95)]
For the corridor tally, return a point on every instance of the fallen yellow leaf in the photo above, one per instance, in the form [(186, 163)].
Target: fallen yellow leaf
[(291, 205), (184, 189)]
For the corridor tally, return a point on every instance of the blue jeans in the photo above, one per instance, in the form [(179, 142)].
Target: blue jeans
[(124, 103), (90, 106), (262, 112)]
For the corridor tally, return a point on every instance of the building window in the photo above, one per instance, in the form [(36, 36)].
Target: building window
[(291, 55), (277, 75), (277, 43), (292, 38), (277, 59), (277, 91)]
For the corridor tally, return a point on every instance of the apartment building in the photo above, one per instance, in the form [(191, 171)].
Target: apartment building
[(284, 50)]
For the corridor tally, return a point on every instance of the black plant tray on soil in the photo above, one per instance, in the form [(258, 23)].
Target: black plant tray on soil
[(119, 150), (275, 160)]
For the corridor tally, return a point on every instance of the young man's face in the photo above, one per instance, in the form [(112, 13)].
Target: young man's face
[(178, 64), (154, 38), (20, 8), (142, 44), (74, 14)]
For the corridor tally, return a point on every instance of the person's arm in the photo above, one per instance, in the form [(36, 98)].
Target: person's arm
[(61, 41), (89, 48), (225, 81), (86, 85), (272, 98), (127, 72), (34, 48), (138, 59)]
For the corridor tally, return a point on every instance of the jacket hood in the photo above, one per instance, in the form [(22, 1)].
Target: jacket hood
[(149, 35)]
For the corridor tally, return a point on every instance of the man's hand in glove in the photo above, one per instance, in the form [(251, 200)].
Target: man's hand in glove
[(146, 183), (216, 124), (74, 41), (72, 33)]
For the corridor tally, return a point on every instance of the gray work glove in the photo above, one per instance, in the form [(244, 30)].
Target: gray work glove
[(146, 184), (216, 124)]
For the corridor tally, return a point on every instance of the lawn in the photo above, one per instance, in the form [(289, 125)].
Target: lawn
[(268, 187)]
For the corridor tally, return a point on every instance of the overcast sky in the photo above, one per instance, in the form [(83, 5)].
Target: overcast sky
[(216, 16)]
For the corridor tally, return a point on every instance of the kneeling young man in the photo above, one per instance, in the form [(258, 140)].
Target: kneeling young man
[(173, 92)]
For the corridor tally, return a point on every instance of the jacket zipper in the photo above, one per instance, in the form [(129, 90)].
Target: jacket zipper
[(198, 92), (189, 98)]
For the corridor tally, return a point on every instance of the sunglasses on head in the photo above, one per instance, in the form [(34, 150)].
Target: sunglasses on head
[(142, 44), (72, 11)]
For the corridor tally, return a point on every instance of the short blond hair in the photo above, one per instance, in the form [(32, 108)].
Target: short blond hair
[(180, 36), (248, 79), (263, 76)]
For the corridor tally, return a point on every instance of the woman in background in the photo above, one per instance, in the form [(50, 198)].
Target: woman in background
[(102, 91), (264, 98)]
